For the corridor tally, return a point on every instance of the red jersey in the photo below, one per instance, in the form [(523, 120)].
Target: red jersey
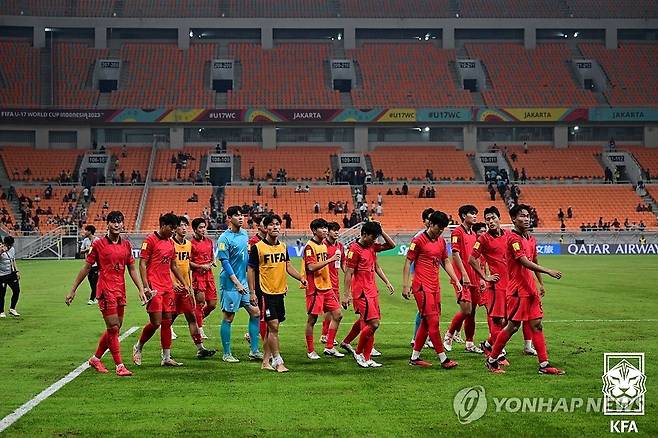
[(494, 250), (521, 279), (112, 259), (254, 240), (334, 268), (427, 256), (463, 241), (158, 253), (201, 254), (362, 259)]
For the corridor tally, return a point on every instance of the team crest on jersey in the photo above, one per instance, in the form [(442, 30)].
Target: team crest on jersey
[(309, 253), (477, 245), (144, 246), (412, 246), (349, 254), (455, 239), (516, 246), (222, 246)]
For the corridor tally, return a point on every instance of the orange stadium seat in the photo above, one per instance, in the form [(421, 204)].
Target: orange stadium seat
[(6, 220), (652, 189), (73, 65), (445, 162), (59, 208), (633, 86), (301, 163), (526, 78), (407, 75), (229, 8), (612, 8), (137, 159), (402, 213), (291, 75), (123, 199), (646, 157), (510, 9), (19, 72), (165, 170), (45, 164), (547, 162), (395, 9), (589, 202), (163, 200)]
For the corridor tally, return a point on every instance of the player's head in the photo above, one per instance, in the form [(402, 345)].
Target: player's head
[(114, 222), (468, 214), (520, 215), (181, 229), (320, 228), (199, 226), (90, 230), (370, 231), (479, 228), (258, 220), (426, 215), (332, 231), (437, 222), (168, 223), (234, 216), (492, 218), (272, 225), (8, 241)]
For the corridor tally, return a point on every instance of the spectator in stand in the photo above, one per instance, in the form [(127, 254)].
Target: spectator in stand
[(560, 214), (515, 174), (193, 198), (524, 176), (612, 145), (252, 173), (421, 193), (287, 219), (405, 189), (106, 205), (379, 198), (641, 226), (627, 224), (379, 210), (525, 147), (274, 192), (583, 227), (389, 192), (492, 192), (569, 212), (346, 222), (316, 207), (513, 157)]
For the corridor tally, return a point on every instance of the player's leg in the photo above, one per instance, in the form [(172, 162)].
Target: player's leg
[(469, 325), (369, 309), (273, 340), (154, 309), (200, 298), (225, 335), (527, 340), (3, 292), (15, 287), (417, 323), (535, 321), (325, 327), (314, 306), (253, 330), (336, 318), (464, 311), (504, 335), (165, 331)]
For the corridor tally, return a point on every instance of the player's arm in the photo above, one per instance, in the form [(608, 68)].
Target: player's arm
[(540, 280), (134, 276), (84, 271), (475, 264), (456, 258), (316, 266), (252, 265), (294, 273), (539, 269), (388, 242), (179, 277), (347, 283), (406, 271), (447, 266), (226, 266), (381, 274)]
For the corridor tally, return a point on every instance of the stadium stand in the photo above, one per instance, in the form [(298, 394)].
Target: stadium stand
[(124, 199), (527, 78), (55, 203), (136, 159), (402, 213), (299, 205), (44, 164), (188, 159), (407, 75), (547, 162), (289, 75), (511, 9), (19, 74), (167, 199), (444, 161), (612, 8), (589, 202), (58, 8), (301, 163), (7, 220), (279, 8), (652, 189), (395, 9), (629, 86), (73, 65), (161, 75), (646, 157)]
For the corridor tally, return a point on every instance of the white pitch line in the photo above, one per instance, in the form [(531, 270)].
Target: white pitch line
[(28, 406), (411, 322)]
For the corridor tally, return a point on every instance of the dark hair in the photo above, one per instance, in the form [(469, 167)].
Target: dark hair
[(333, 226), (492, 210), (257, 218), (467, 209), (183, 220), (514, 211), (269, 219), (8, 240), (233, 210), (169, 219), (439, 218), (426, 213), (371, 229), (198, 221), (479, 226), (115, 216), (318, 223), (91, 229)]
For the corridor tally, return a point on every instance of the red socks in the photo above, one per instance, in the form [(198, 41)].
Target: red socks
[(113, 338), (527, 331), (367, 352), (501, 341), (469, 327), (197, 339), (102, 345), (148, 332), (494, 329), (309, 343), (434, 332), (207, 310), (364, 337), (165, 334), (354, 332), (539, 341), (456, 323), (198, 312), (421, 336), (331, 337), (325, 327), (262, 328)]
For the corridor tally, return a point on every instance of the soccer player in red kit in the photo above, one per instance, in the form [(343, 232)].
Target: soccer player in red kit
[(112, 254), (157, 261), (428, 251), (202, 259), (333, 247), (462, 240), (360, 282), (523, 298)]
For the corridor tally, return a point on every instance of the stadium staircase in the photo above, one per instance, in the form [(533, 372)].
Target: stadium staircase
[(454, 8), (237, 168), (649, 200), (369, 166), (334, 7), (118, 7), (147, 184), (51, 244), (46, 76)]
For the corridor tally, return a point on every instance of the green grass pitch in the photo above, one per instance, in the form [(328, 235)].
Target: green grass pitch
[(328, 396)]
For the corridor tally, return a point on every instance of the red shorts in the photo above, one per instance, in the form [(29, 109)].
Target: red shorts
[(428, 302), (524, 308), (321, 302), (469, 294), (163, 302), (495, 301), (367, 307), (111, 304), (205, 284), (184, 303)]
